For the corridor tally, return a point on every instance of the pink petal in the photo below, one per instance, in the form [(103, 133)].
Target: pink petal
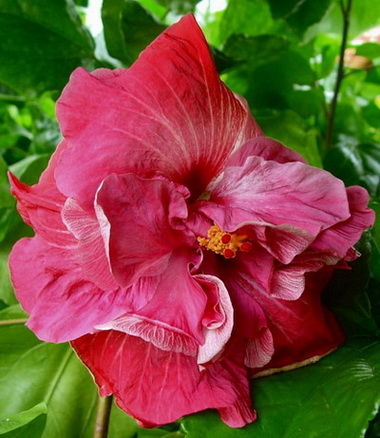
[(251, 323), (278, 194), (302, 328), (176, 304), (266, 148), (212, 319), (169, 112), (40, 205), (146, 223), (218, 319), (91, 253), (343, 235), (158, 387), (49, 285), (289, 281)]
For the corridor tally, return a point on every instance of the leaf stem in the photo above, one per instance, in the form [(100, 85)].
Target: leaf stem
[(346, 11), (14, 321), (102, 417)]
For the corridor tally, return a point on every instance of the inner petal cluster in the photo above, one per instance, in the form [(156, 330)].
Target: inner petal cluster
[(225, 243)]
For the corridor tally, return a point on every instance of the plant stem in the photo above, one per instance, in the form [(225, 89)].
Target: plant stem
[(346, 11), (14, 321), (102, 417)]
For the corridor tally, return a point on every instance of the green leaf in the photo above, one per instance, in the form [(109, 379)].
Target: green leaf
[(271, 84), (128, 29), (373, 430), (308, 13), (41, 42), (299, 14), (30, 168), (375, 256), (336, 397), (32, 372), (355, 164), (369, 50), (179, 6), (14, 312), (291, 130), (248, 17), (349, 297), (364, 15), (283, 8), (30, 423), (256, 50)]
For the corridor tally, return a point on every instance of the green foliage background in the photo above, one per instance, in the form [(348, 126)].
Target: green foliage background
[(282, 55)]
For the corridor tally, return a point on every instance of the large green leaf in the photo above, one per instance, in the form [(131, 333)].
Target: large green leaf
[(30, 423), (128, 29), (336, 397), (41, 42), (32, 372)]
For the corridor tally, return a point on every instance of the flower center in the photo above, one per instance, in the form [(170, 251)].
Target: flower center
[(226, 244)]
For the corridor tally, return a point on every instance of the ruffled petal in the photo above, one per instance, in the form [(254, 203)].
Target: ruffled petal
[(158, 387), (91, 252), (251, 323), (268, 192), (145, 223), (218, 319), (341, 237), (175, 304), (169, 112), (266, 148), (301, 329), (198, 328), (40, 205), (49, 285)]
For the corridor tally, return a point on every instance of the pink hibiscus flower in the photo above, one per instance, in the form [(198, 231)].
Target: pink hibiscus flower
[(176, 247)]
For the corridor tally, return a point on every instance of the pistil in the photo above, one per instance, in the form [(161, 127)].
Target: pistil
[(225, 243)]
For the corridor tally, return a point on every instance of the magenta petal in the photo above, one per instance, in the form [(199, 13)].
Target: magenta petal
[(159, 387), (263, 147), (301, 328), (251, 324), (218, 319), (91, 252), (169, 112), (184, 314), (342, 236), (146, 223), (269, 192), (177, 300), (50, 287), (40, 205)]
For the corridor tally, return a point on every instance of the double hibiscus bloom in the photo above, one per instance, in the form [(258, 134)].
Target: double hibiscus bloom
[(177, 248)]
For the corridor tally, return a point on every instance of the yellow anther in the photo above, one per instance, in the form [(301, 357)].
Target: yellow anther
[(226, 244)]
